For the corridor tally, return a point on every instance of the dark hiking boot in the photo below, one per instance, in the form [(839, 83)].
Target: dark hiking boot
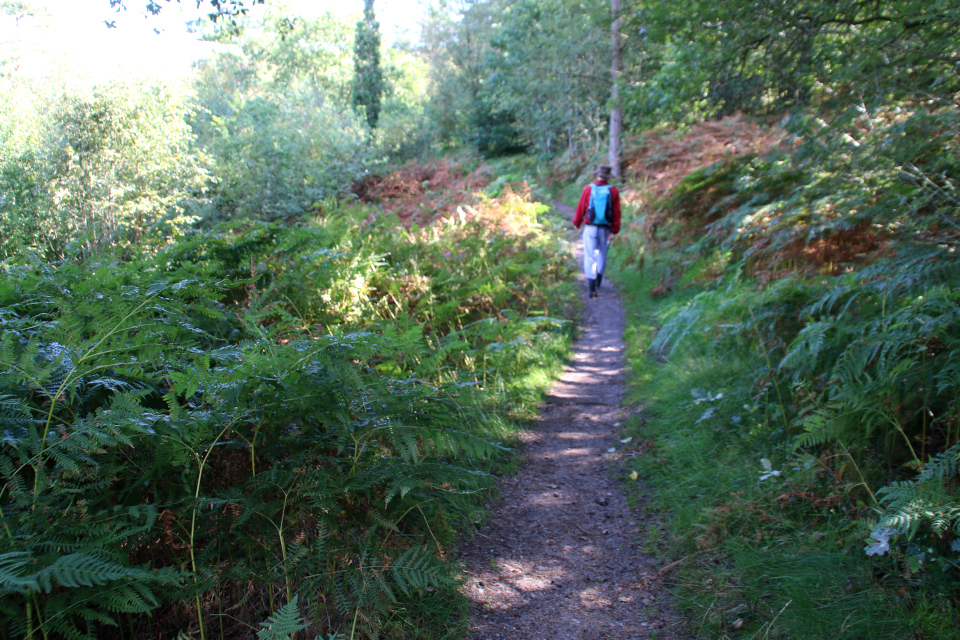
[(599, 280), (593, 287)]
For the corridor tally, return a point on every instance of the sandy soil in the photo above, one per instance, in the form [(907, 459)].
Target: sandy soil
[(560, 558)]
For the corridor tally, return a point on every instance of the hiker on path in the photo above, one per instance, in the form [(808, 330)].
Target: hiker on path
[(599, 213)]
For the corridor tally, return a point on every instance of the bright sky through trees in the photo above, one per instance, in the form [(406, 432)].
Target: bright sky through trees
[(77, 31)]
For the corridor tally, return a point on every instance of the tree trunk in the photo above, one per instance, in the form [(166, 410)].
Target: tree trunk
[(616, 112)]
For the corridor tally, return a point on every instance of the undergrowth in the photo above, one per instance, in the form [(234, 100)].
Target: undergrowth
[(769, 539), (801, 431), (270, 424)]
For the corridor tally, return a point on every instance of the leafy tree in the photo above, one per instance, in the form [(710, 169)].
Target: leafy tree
[(295, 53), (766, 57), (276, 117), (549, 65), (463, 105), (539, 66), (229, 9), (456, 42), (104, 167), (405, 129), (533, 72), (368, 77), (278, 148)]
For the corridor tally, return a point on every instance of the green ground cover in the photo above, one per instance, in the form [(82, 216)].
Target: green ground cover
[(261, 414), (773, 558), (790, 331), (231, 399)]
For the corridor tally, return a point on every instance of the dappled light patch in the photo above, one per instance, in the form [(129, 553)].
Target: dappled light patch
[(559, 558)]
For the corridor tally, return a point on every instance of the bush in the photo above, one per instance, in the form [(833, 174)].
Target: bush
[(113, 166)]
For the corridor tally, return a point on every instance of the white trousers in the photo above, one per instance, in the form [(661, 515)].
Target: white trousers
[(595, 245)]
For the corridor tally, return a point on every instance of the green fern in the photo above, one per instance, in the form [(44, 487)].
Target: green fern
[(198, 441), (284, 623)]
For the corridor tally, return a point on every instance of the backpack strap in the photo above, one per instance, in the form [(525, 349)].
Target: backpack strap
[(591, 206)]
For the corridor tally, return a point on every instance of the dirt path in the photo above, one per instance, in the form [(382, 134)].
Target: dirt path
[(559, 559)]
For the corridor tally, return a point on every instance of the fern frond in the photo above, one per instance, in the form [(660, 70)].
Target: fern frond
[(284, 623), (679, 325)]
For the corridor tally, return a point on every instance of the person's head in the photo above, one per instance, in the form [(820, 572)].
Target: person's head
[(603, 172)]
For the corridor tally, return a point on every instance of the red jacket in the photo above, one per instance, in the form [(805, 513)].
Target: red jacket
[(585, 203)]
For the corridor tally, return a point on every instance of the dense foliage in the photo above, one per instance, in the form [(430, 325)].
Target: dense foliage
[(856, 308), (233, 403), (106, 167), (833, 256), (543, 66), (514, 74), (770, 56), (821, 336), (810, 321), (258, 413)]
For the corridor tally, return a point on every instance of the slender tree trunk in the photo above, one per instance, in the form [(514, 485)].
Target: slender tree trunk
[(616, 112)]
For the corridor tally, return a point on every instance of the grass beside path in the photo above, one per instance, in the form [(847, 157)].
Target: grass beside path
[(767, 555)]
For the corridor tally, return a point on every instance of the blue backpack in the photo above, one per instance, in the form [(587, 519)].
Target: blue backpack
[(600, 211)]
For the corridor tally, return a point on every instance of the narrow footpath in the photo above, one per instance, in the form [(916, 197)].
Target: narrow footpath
[(560, 558)]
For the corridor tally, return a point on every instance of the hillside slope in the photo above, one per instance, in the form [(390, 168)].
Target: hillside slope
[(793, 314)]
